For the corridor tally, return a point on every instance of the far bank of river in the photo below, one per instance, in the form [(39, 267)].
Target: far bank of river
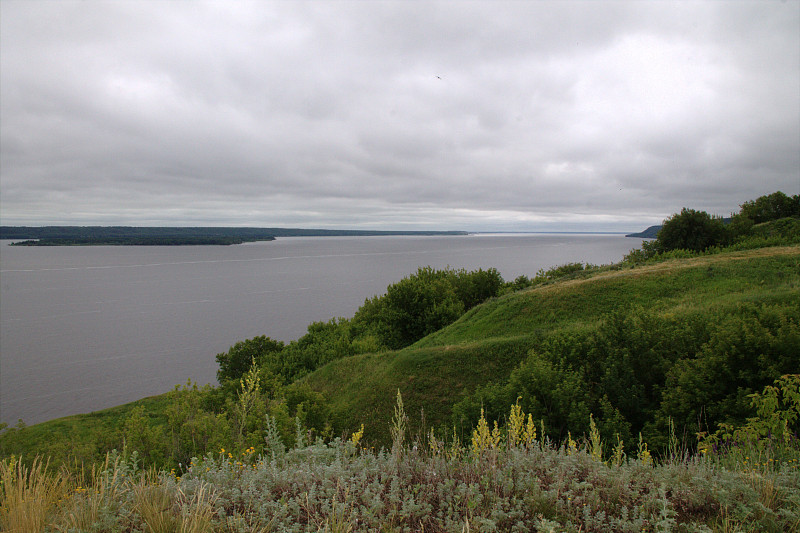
[(85, 328)]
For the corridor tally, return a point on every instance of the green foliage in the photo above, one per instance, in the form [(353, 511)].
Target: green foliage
[(646, 252), (690, 230), (411, 309), (140, 435), (767, 217), (604, 345), (770, 220), (553, 393), (234, 363), (767, 441), (419, 305), (778, 409), (771, 207), (477, 286), (192, 429), (787, 229), (559, 272), (310, 409), (562, 271), (747, 348), (324, 342), (422, 303), (639, 370)]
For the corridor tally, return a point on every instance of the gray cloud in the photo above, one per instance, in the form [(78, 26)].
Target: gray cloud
[(462, 115)]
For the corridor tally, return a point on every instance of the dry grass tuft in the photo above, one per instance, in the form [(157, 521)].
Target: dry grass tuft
[(29, 495)]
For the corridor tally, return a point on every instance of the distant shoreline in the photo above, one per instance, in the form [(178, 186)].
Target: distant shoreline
[(547, 233), (140, 241), (173, 236)]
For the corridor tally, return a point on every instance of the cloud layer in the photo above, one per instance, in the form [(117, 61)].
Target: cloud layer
[(394, 115)]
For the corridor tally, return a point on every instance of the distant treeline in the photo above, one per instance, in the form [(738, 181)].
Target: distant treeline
[(128, 235), (141, 241)]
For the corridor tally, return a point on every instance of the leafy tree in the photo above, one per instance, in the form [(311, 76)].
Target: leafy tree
[(420, 304), (771, 207), (324, 342), (369, 324), (475, 287), (690, 230), (234, 363)]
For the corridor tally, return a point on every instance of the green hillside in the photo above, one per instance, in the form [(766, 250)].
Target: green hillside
[(485, 345), (686, 305), (661, 393)]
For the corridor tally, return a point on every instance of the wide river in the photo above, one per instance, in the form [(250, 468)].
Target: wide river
[(85, 328)]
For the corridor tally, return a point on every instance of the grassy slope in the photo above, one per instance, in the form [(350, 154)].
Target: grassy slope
[(485, 344), (82, 434)]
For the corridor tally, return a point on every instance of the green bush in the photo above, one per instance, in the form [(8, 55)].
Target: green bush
[(423, 303), (234, 363), (690, 230), (771, 207)]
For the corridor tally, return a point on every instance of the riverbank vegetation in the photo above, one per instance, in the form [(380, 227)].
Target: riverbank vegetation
[(658, 393)]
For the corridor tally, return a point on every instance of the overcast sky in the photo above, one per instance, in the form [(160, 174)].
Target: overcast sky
[(541, 115)]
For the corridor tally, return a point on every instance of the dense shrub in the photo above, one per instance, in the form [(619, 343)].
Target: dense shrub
[(690, 230), (641, 372), (422, 303), (771, 207), (324, 342), (419, 305), (240, 357)]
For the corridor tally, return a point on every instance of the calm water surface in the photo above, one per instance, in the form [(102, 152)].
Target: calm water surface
[(85, 328)]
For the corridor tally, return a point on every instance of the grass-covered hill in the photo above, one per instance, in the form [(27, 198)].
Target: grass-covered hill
[(680, 341), (688, 302)]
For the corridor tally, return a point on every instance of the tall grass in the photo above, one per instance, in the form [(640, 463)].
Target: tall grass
[(112, 496), (29, 495)]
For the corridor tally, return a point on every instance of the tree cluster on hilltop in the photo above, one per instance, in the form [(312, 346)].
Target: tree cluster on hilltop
[(698, 231)]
